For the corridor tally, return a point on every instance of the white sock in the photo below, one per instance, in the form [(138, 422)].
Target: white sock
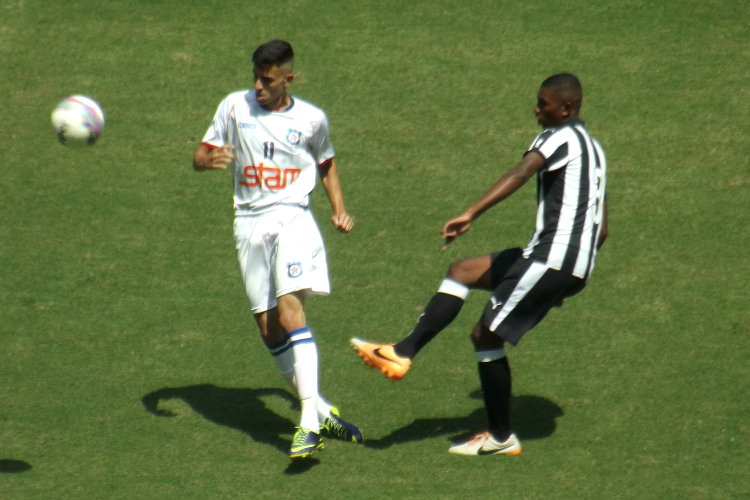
[(306, 376), (450, 287), (283, 356)]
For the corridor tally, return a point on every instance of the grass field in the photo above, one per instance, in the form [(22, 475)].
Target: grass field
[(130, 367)]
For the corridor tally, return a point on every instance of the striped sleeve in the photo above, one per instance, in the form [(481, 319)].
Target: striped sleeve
[(552, 145)]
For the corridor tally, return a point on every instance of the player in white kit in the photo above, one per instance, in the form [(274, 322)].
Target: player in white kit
[(276, 145)]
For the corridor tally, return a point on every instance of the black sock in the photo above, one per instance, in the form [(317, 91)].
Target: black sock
[(496, 388), (440, 311)]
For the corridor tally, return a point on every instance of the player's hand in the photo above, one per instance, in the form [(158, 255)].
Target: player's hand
[(455, 228), (220, 158), (342, 222)]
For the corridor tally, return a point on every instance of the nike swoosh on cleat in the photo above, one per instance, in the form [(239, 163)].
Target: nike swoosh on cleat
[(303, 448), (376, 352), (480, 451)]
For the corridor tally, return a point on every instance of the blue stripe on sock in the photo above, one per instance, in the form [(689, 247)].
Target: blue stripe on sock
[(300, 336), (304, 329), (278, 345), (303, 341), (279, 348), (282, 350)]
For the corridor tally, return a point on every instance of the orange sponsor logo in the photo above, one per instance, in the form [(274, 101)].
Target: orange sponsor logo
[(269, 177)]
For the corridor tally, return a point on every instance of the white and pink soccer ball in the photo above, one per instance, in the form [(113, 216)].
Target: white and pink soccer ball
[(78, 121)]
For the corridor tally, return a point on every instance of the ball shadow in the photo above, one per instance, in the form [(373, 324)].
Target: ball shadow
[(13, 466)]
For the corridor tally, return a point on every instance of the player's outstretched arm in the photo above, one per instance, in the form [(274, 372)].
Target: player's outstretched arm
[(206, 158), (455, 228), (329, 177), (506, 186)]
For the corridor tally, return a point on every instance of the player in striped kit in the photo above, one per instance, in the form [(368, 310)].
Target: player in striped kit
[(276, 145), (526, 283)]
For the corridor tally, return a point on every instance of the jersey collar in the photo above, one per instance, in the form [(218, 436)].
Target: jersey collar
[(288, 108)]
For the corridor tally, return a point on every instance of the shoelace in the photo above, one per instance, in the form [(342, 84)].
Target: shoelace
[(475, 437), (336, 428), (301, 438)]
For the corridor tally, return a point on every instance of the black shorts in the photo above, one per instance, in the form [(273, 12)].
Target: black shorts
[(525, 291)]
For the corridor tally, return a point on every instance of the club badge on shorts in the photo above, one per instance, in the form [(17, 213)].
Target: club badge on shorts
[(294, 269)]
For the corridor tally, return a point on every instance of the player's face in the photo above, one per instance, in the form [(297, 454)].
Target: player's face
[(550, 109), (270, 86)]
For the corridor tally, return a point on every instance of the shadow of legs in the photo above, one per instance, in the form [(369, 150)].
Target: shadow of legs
[(240, 409), (533, 417)]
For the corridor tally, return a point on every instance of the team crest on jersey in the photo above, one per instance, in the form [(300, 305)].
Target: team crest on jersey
[(294, 136), (294, 269)]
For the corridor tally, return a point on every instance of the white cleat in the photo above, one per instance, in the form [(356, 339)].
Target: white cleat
[(485, 444)]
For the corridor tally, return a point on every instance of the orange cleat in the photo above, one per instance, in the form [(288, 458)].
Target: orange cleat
[(382, 357)]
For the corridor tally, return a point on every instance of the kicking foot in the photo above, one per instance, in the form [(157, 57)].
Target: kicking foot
[(382, 357)]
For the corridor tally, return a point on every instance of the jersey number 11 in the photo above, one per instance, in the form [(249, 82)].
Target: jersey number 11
[(268, 150)]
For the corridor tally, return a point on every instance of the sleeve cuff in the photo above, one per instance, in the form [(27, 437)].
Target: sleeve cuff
[(326, 163)]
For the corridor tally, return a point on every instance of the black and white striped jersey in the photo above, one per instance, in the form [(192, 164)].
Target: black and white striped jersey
[(570, 192)]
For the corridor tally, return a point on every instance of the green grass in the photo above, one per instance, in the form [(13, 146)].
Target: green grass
[(129, 362)]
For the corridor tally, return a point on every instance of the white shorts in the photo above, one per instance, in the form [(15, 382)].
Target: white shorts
[(280, 252)]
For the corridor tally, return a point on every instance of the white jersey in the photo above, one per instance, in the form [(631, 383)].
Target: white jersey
[(277, 152)]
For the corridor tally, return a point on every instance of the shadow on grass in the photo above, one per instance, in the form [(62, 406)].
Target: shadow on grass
[(300, 466), (240, 409), (533, 418), (13, 466), (244, 410)]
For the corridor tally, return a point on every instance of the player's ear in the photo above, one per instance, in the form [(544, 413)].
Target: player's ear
[(567, 109), (288, 79)]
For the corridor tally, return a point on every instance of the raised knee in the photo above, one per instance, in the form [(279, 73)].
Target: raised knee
[(457, 271)]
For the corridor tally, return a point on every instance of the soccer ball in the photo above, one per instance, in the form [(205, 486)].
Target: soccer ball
[(78, 121)]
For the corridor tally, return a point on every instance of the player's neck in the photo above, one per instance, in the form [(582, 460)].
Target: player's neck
[(281, 104), (567, 119)]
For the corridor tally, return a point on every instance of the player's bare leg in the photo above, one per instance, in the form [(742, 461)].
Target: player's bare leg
[(444, 306), (285, 333), (473, 273), (463, 275), (290, 341), (394, 360)]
